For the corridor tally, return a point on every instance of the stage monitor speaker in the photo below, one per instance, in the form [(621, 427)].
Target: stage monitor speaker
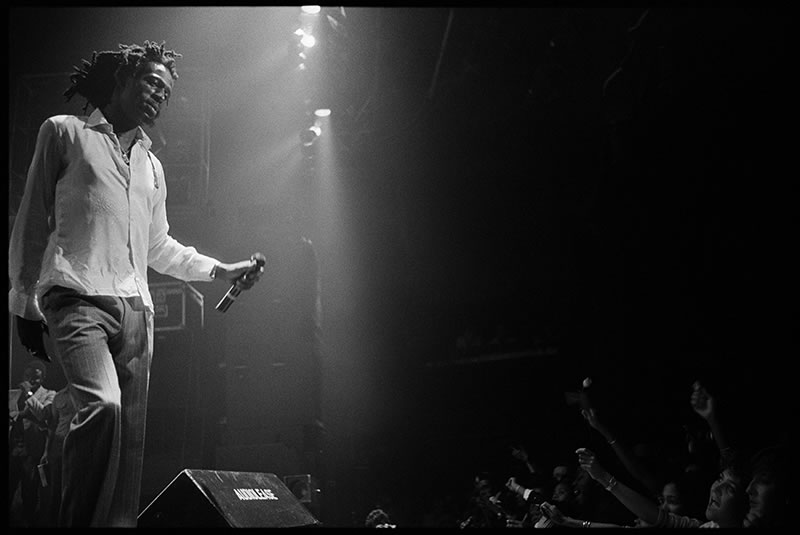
[(210, 498)]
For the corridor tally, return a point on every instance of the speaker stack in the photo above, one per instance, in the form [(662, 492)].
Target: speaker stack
[(211, 498)]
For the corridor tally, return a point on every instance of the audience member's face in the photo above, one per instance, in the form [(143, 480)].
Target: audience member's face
[(765, 499), (562, 492), (35, 377), (484, 489), (581, 486), (559, 473), (670, 499), (724, 500)]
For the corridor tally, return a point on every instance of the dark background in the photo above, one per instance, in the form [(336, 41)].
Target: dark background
[(522, 197)]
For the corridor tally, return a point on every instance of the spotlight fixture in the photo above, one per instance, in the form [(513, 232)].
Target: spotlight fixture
[(308, 40), (310, 134), (336, 20)]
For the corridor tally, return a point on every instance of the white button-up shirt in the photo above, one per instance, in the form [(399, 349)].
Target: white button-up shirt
[(90, 222)]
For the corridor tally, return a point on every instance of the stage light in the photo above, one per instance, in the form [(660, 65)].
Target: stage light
[(333, 22), (336, 19), (308, 40), (310, 134), (322, 112), (307, 137)]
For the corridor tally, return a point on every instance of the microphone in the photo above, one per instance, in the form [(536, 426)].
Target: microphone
[(234, 291)]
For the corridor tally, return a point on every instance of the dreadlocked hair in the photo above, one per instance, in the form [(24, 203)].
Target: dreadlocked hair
[(95, 80)]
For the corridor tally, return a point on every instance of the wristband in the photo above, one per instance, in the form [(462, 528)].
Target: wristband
[(612, 482)]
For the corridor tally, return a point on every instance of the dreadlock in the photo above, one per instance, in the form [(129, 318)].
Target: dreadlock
[(96, 79)]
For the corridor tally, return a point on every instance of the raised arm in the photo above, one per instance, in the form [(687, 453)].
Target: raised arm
[(705, 406), (639, 505), (521, 454), (628, 459)]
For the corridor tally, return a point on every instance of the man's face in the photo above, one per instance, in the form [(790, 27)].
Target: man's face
[(34, 376), (764, 500), (581, 486), (484, 490), (143, 95), (562, 492), (670, 499), (725, 497), (559, 472)]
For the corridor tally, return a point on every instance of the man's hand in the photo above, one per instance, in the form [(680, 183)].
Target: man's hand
[(245, 273), (24, 393), (31, 334)]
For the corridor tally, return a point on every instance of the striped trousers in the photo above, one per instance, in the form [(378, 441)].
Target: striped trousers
[(105, 346)]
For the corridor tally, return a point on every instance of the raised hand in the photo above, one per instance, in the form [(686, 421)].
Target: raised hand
[(588, 461), (514, 523), (553, 513), (590, 415), (702, 402), (519, 453), (513, 486)]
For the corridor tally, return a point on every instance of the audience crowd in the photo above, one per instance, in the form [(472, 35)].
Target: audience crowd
[(717, 471), (720, 478)]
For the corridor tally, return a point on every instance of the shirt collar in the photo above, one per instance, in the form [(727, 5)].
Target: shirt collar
[(99, 122)]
